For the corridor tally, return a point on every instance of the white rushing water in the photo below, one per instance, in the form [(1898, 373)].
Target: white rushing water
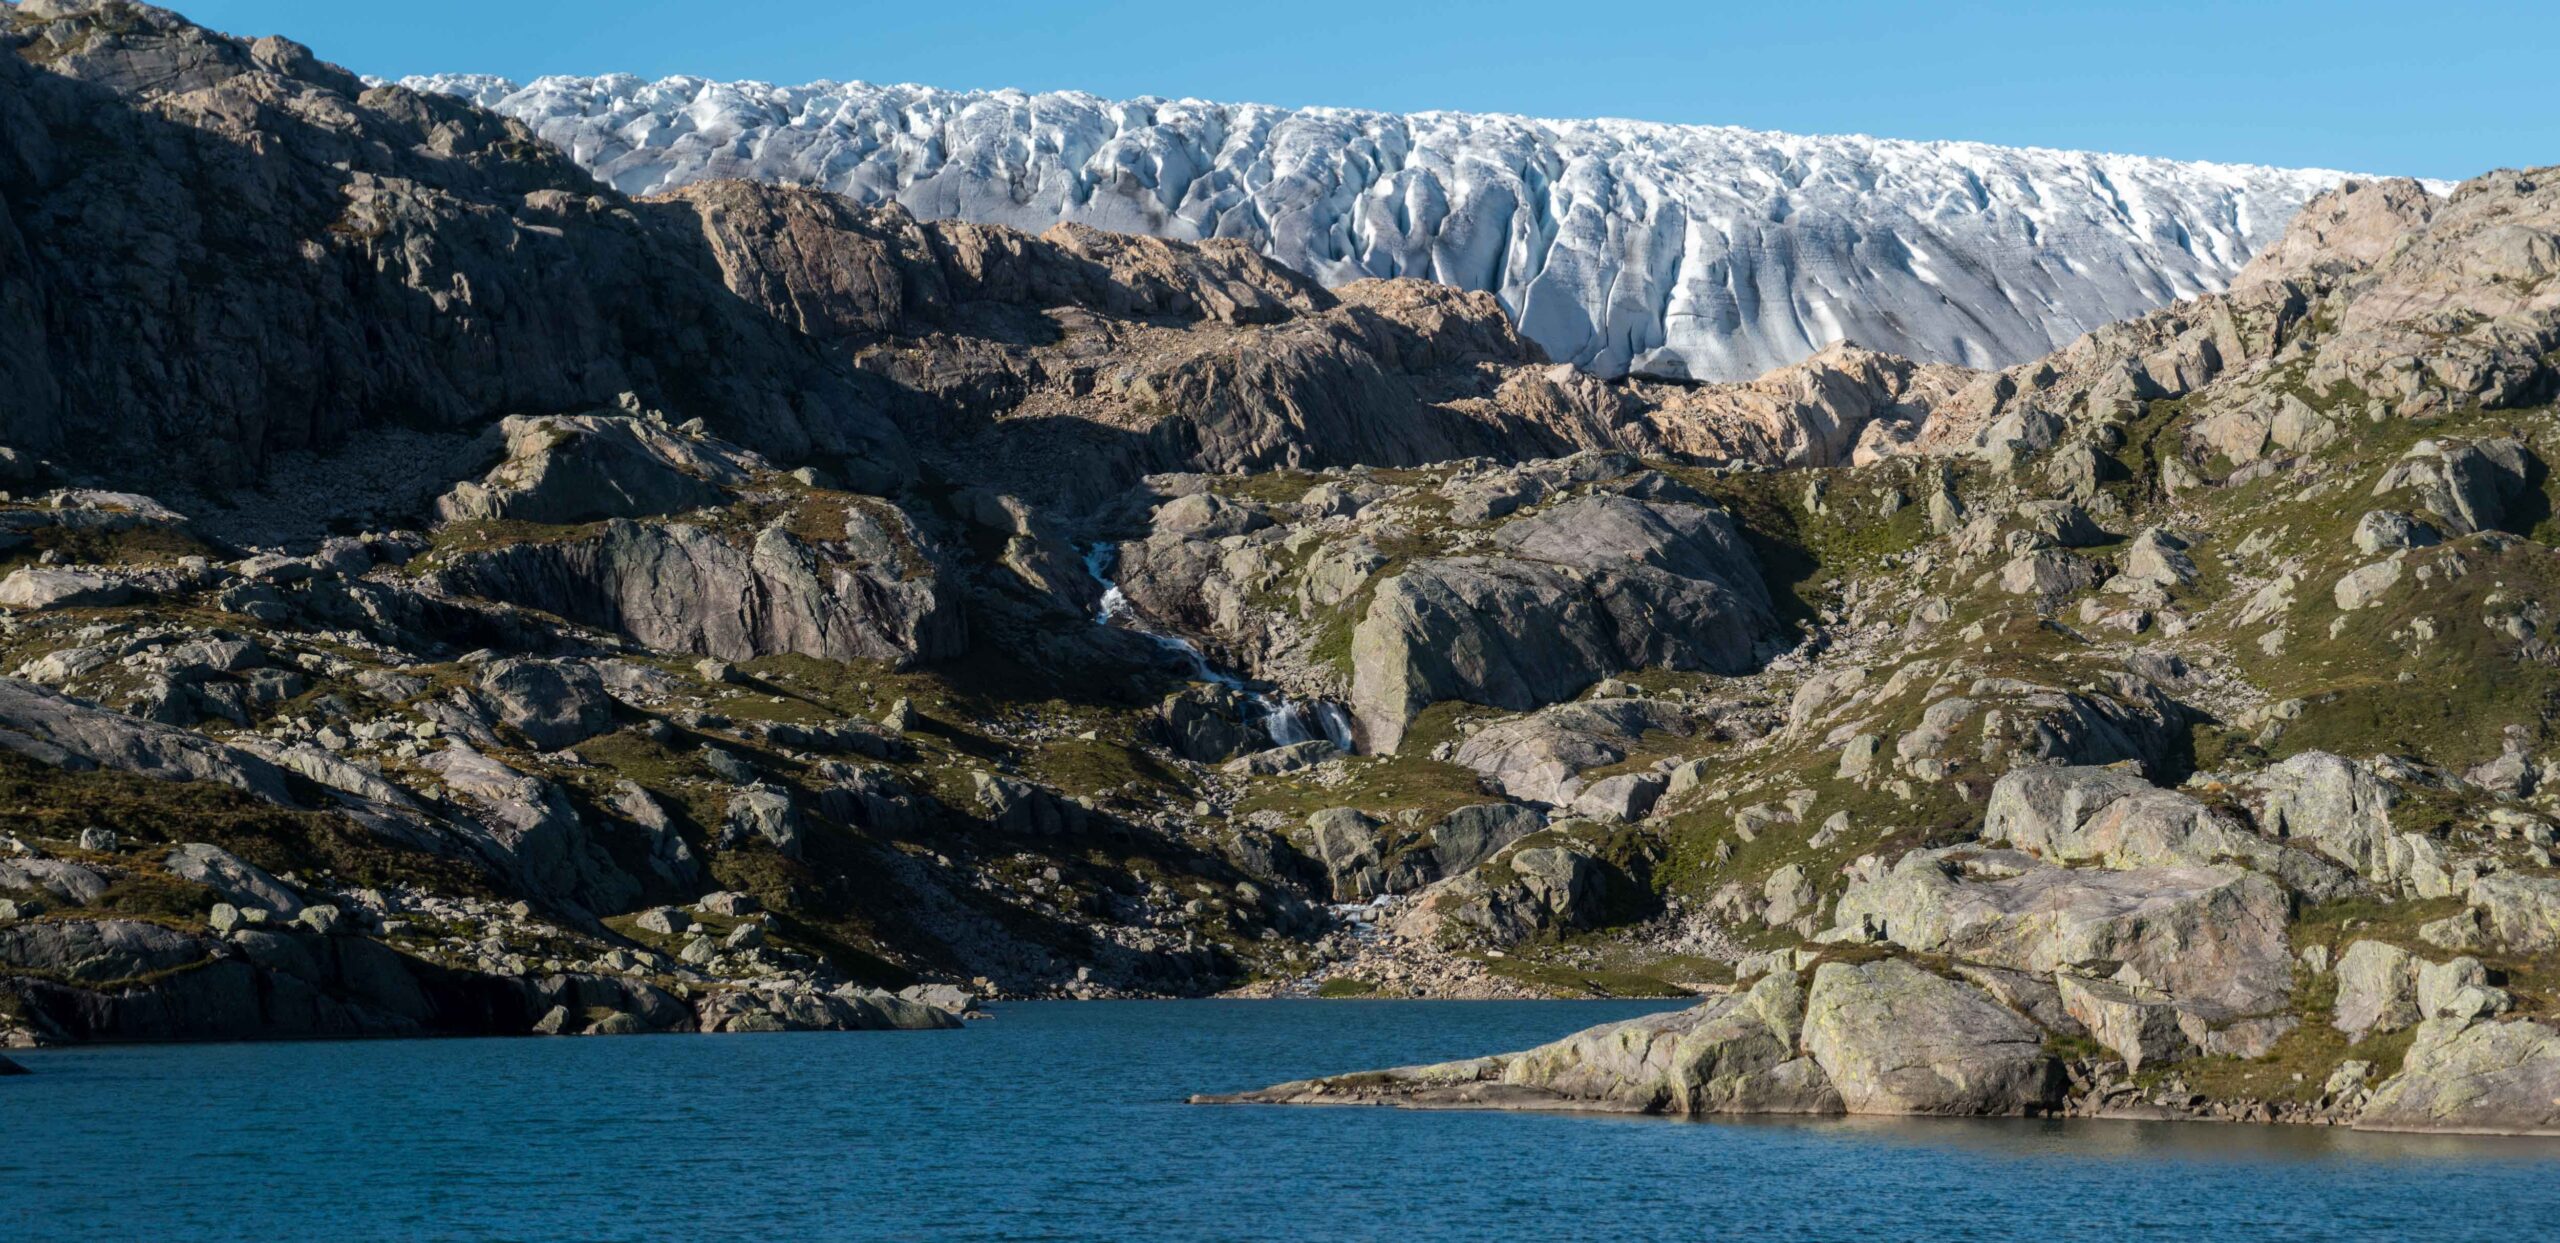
[(1288, 721)]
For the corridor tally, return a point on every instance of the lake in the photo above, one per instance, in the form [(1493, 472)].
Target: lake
[(1064, 1120)]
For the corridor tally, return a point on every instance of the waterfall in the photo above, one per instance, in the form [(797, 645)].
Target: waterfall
[(1285, 723), (1289, 721), (1117, 613), (1286, 720)]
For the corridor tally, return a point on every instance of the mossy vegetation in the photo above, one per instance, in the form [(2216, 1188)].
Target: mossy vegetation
[(40, 801)]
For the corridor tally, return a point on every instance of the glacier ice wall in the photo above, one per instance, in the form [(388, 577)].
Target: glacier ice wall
[(1676, 250)]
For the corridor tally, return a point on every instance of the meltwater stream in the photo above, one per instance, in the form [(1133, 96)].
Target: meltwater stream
[(1288, 721)]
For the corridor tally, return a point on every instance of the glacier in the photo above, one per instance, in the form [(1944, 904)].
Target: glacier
[(1680, 251)]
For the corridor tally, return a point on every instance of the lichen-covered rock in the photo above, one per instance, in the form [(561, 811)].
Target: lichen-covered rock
[(1896, 1039), (2377, 989), (2200, 934), (2118, 820), (554, 704), (2142, 1029), (766, 815), (1584, 589), (2519, 914), (2338, 806), (235, 878), (2460, 1077), (1788, 895)]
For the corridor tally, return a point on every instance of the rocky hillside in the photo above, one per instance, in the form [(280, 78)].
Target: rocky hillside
[(1706, 252), (2171, 738), (864, 614)]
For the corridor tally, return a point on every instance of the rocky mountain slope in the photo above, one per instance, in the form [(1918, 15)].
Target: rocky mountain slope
[(1689, 251), (2159, 727)]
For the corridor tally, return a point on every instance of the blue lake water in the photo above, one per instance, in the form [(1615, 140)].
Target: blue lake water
[(1064, 1120)]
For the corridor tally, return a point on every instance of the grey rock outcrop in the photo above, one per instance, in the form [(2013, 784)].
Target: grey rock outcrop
[(763, 814), (56, 729), (1539, 757), (527, 828), (1734, 1054), (1346, 843), (1587, 588), (235, 878), (35, 588), (685, 588), (1896, 1039), (91, 952), (554, 704), (2502, 1078), (849, 1009), (2200, 934), (1470, 835), (562, 469)]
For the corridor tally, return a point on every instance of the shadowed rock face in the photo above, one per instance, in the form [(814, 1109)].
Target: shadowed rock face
[(684, 588), (833, 268), (129, 980), (584, 468), (328, 258), (1586, 588)]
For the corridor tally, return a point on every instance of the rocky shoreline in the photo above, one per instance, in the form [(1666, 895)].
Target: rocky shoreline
[(1889, 1037)]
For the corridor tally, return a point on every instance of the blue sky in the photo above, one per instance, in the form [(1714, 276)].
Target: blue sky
[(2446, 88)]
